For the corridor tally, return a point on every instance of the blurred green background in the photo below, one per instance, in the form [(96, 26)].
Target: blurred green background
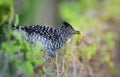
[(93, 53)]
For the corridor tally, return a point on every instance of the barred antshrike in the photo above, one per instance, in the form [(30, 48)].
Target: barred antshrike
[(51, 38)]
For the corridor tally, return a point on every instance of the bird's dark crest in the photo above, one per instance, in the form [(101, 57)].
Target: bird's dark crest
[(66, 25)]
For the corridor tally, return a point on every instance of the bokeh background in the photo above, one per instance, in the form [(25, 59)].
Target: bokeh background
[(93, 53)]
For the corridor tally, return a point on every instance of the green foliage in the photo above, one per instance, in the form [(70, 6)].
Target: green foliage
[(90, 51), (19, 58), (107, 55), (80, 14), (109, 40), (6, 7), (22, 55)]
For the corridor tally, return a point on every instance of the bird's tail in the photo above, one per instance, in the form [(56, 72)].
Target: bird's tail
[(13, 25)]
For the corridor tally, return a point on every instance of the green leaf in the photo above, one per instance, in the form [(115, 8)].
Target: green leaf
[(27, 68), (107, 58), (90, 51), (17, 35), (10, 49), (78, 37), (39, 61)]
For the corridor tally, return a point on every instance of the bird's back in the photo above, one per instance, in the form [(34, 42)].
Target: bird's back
[(48, 36)]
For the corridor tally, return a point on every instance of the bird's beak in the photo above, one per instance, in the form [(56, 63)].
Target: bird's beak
[(77, 32)]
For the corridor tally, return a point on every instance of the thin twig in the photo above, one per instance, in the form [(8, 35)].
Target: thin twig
[(57, 65), (63, 62)]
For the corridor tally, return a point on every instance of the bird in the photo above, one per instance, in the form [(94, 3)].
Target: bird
[(51, 38)]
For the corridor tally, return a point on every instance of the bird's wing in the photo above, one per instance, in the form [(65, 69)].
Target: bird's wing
[(44, 31)]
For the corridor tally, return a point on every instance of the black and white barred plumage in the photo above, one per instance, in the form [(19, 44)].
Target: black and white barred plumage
[(51, 38)]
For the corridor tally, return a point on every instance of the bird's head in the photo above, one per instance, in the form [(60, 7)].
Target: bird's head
[(68, 29)]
